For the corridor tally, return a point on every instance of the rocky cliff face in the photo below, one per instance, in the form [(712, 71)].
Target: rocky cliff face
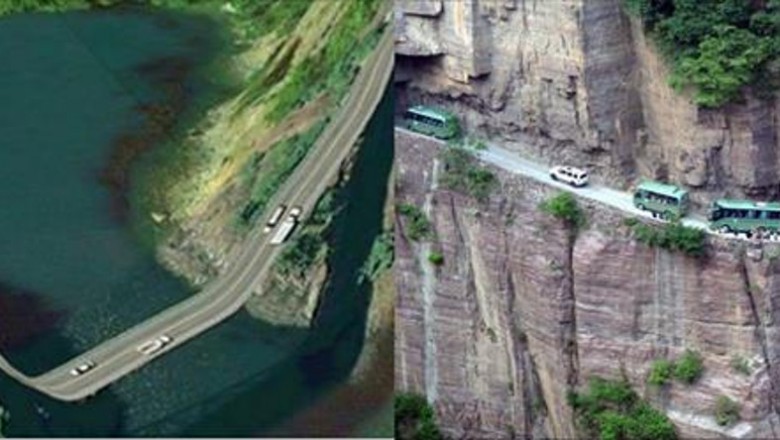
[(577, 79), (522, 311)]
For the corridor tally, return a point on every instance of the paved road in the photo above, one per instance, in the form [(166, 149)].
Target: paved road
[(514, 163), (226, 295)]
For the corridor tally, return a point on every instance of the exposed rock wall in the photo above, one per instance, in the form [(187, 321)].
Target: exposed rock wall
[(522, 312), (550, 77), (577, 80)]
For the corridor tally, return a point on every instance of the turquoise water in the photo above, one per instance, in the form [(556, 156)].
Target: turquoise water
[(69, 85)]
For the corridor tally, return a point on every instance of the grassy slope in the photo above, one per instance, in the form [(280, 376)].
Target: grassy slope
[(247, 140)]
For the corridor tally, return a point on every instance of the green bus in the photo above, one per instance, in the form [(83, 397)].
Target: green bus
[(433, 122), (662, 200), (744, 216)]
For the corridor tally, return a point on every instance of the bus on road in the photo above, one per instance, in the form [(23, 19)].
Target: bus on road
[(734, 216), (662, 200), (433, 122)]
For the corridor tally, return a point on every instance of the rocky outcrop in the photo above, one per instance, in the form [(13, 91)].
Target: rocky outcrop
[(578, 81), (522, 311)]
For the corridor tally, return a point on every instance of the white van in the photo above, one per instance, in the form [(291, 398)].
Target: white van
[(573, 176), (152, 346), (83, 368)]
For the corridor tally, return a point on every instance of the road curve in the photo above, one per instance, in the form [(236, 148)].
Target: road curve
[(621, 200), (226, 295)]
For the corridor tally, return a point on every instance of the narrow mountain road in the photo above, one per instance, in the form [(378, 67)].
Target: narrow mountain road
[(226, 295), (514, 163)]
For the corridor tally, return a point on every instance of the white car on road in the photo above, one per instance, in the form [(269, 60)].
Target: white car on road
[(576, 177), (83, 368), (154, 345)]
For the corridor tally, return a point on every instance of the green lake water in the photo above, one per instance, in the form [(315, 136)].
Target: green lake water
[(69, 85)]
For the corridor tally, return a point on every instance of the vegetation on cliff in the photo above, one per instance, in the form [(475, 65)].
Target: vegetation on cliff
[(726, 411), (462, 173), (414, 418), (308, 55), (688, 369), (381, 257), (418, 226), (715, 46), (309, 245), (611, 410), (268, 171), (564, 207), (672, 236)]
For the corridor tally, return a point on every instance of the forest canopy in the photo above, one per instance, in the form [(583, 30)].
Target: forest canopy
[(716, 47)]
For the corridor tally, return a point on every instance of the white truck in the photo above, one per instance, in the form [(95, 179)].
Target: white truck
[(287, 226)]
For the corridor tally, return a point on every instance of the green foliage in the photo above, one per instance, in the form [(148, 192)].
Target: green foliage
[(11, 6), (740, 365), (673, 236), (611, 410), (417, 227), (563, 206), (462, 173), (689, 367), (726, 411), (309, 245), (436, 258), (715, 46), (726, 61), (272, 170), (660, 372), (331, 69), (414, 418), (630, 221), (381, 257)]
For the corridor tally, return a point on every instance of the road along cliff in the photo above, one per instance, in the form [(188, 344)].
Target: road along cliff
[(578, 81), (518, 311)]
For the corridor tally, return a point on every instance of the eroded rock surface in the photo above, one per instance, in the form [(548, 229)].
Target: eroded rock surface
[(577, 80), (522, 311)]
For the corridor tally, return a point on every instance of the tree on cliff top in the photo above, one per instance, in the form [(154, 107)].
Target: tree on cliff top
[(716, 47), (564, 207)]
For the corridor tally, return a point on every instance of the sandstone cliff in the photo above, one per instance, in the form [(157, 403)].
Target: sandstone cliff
[(577, 79), (521, 312)]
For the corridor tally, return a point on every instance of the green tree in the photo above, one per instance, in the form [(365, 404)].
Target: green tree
[(415, 418), (436, 258), (660, 372), (726, 61), (611, 410), (689, 367), (563, 206), (715, 47)]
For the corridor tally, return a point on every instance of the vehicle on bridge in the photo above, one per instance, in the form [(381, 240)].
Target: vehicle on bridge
[(287, 226), (83, 368), (154, 345), (570, 175), (274, 218), (735, 216), (432, 121), (662, 200)]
